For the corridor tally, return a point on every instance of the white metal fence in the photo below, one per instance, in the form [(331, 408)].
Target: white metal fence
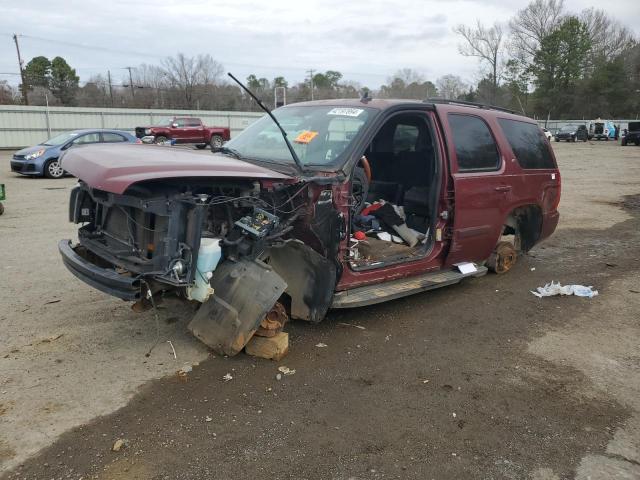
[(21, 126)]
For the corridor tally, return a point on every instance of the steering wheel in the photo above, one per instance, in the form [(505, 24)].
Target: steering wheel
[(366, 166)]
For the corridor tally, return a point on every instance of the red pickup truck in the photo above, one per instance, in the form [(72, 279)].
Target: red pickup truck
[(370, 201), (185, 130)]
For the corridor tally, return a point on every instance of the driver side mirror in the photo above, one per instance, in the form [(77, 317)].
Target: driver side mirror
[(67, 146)]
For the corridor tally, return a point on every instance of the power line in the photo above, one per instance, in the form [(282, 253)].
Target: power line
[(147, 55)]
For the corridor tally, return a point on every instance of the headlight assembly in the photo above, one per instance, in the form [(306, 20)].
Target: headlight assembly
[(35, 154)]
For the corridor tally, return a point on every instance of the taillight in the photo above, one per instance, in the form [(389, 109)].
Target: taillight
[(556, 204)]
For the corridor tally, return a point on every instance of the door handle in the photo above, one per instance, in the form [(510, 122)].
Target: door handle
[(503, 188)]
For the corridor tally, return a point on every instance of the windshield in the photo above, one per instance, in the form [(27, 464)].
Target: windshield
[(164, 122), (568, 128), (60, 139), (319, 134)]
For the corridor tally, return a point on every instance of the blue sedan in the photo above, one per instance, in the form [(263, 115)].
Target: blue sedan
[(44, 159)]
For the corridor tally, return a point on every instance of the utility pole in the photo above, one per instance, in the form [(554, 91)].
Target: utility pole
[(310, 72), (130, 82), (110, 87), (24, 83)]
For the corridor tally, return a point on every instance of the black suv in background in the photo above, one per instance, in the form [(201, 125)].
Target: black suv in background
[(631, 134), (571, 133)]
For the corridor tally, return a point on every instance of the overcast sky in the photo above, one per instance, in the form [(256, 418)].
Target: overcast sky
[(367, 41)]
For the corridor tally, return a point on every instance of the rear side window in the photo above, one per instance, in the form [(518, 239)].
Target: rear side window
[(108, 137), (475, 147), (528, 144)]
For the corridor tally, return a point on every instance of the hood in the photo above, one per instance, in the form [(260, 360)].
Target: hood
[(28, 150), (114, 168)]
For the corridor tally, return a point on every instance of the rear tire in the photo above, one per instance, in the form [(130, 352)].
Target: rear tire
[(53, 169), (216, 141), (160, 139)]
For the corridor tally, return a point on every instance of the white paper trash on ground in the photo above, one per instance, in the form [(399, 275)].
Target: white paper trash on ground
[(553, 288)]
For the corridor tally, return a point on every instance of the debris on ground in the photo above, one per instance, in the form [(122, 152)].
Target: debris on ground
[(286, 370), (321, 345), (278, 376), (227, 377), (351, 325), (119, 445), (553, 288), (208, 419), (172, 349), (46, 340)]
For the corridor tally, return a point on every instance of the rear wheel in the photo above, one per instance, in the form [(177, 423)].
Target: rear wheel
[(216, 141), (503, 258), (53, 169), (161, 139)]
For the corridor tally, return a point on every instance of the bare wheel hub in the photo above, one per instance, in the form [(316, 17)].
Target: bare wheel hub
[(503, 258), (273, 322)]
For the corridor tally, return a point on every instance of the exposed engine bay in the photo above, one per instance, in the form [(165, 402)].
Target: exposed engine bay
[(235, 246)]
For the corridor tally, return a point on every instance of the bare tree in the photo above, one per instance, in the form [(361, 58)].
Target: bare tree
[(185, 73), (450, 86), (407, 75), (485, 44), (532, 24), (7, 93), (608, 37)]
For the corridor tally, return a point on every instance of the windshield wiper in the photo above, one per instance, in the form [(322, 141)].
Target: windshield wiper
[(228, 151), (294, 155)]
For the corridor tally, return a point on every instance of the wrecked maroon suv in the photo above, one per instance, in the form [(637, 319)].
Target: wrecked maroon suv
[(361, 202)]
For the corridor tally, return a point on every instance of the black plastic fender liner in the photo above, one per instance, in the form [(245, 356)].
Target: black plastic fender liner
[(244, 292), (311, 279)]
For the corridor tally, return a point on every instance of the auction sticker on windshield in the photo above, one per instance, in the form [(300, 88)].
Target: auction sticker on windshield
[(306, 136), (347, 112)]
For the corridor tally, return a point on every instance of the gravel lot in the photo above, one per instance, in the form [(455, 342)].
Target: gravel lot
[(479, 380)]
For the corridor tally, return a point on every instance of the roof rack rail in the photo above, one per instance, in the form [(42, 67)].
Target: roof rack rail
[(470, 104)]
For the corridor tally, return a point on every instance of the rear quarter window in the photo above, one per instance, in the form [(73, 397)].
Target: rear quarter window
[(475, 146), (531, 148)]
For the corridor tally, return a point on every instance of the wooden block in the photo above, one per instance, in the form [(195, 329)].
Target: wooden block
[(273, 348)]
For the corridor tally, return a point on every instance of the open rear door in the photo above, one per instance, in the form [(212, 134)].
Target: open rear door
[(482, 188)]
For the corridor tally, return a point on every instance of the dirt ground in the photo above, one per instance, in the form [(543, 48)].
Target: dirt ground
[(479, 380)]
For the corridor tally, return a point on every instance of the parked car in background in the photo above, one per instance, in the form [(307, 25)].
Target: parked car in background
[(268, 230), (602, 130), (631, 134), (44, 159), (184, 130), (572, 133), (547, 134)]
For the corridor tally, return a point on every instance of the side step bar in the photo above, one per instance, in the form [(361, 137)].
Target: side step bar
[(381, 292)]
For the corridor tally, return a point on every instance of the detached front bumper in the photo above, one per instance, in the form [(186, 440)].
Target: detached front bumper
[(103, 279)]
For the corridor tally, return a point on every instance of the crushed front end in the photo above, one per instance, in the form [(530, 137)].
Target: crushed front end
[(235, 246)]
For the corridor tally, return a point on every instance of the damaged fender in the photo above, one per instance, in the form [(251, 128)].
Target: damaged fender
[(244, 292), (310, 277)]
